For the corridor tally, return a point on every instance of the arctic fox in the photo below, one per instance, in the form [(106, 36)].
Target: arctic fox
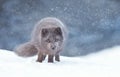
[(48, 38)]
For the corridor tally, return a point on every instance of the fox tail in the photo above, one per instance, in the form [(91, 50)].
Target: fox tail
[(26, 50)]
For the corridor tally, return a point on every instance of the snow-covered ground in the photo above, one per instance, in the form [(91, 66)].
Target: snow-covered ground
[(103, 64)]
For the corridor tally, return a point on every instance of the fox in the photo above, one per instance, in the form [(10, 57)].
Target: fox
[(47, 39)]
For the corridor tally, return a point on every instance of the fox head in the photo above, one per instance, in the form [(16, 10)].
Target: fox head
[(52, 38)]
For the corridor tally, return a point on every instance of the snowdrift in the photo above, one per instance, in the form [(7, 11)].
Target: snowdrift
[(106, 63)]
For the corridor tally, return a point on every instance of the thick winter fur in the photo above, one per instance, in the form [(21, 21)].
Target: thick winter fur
[(26, 50), (48, 38)]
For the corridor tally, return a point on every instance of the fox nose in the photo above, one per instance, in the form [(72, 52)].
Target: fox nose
[(53, 47)]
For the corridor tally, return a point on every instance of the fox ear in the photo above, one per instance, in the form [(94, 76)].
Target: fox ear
[(58, 31), (44, 32)]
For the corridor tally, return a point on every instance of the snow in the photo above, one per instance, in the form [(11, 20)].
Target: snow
[(106, 63)]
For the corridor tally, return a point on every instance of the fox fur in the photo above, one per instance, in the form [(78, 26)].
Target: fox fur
[(48, 38)]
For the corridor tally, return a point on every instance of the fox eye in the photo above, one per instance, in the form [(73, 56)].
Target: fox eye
[(48, 40), (58, 31)]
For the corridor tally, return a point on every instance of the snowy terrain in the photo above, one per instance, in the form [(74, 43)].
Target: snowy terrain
[(103, 64)]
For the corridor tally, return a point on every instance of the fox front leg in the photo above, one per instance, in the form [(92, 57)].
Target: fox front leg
[(57, 57), (50, 58), (41, 57)]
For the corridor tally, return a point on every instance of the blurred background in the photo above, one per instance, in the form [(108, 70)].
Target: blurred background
[(93, 25)]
